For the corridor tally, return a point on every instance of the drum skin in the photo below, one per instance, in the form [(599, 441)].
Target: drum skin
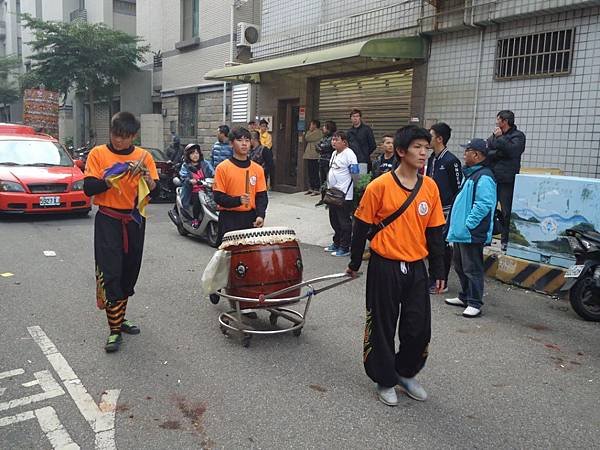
[(263, 269)]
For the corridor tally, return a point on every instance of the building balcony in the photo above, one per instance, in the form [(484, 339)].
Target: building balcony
[(79, 15)]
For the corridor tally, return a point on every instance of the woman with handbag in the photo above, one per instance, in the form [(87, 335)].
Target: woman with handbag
[(339, 194)]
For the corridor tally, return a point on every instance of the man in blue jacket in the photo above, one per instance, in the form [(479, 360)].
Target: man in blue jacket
[(221, 149), (470, 226)]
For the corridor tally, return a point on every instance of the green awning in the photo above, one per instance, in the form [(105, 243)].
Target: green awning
[(400, 48)]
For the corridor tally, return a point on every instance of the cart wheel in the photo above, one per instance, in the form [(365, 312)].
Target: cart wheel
[(297, 332), (273, 319), (246, 341)]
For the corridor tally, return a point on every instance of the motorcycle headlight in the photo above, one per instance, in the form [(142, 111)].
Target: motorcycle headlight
[(11, 186), (77, 186)]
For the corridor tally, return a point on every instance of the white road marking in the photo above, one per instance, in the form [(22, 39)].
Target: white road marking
[(54, 430), (2, 391), (101, 418), (50, 387), (57, 435), (11, 373), (31, 383)]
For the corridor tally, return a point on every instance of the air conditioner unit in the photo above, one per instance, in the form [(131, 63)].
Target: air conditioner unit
[(247, 34)]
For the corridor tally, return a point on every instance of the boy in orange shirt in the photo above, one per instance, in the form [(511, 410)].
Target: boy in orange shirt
[(397, 280), (120, 176)]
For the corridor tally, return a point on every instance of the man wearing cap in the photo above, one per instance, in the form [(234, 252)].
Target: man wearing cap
[(470, 225)]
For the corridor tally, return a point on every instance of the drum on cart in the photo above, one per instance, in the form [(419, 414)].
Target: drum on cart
[(263, 261)]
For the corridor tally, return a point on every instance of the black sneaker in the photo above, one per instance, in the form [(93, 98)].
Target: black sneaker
[(214, 298), (128, 327), (113, 343)]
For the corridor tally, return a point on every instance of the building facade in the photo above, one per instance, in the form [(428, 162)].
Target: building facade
[(537, 58), (187, 39)]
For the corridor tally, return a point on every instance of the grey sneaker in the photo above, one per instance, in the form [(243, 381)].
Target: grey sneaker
[(412, 388), (387, 395)]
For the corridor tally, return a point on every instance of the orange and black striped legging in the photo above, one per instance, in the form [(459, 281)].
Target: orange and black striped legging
[(115, 313)]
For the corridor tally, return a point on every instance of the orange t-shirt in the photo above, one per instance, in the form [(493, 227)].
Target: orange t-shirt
[(100, 159), (231, 180), (404, 238)]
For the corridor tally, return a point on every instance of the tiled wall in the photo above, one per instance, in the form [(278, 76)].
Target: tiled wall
[(558, 114)]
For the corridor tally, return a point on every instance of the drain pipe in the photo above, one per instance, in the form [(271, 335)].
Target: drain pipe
[(481, 29)]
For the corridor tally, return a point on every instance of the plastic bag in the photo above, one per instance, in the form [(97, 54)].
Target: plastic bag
[(216, 273)]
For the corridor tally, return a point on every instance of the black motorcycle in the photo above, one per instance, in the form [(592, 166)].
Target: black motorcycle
[(583, 278)]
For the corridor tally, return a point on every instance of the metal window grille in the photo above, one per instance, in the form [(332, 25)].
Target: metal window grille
[(187, 115), (157, 60), (535, 55)]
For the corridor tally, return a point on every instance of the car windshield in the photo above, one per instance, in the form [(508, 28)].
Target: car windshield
[(157, 154), (33, 153)]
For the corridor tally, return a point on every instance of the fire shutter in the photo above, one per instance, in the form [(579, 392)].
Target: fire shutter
[(383, 98)]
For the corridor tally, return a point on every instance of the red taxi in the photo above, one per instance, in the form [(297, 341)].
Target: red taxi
[(37, 175)]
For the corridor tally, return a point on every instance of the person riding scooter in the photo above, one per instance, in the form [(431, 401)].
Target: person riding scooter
[(192, 172)]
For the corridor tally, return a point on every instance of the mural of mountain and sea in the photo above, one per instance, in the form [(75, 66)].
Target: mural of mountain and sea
[(544, 207)]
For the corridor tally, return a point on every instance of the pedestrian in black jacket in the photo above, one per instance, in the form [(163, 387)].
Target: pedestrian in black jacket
[(446, 171), (507, 144), (325, 150), (361, 139)]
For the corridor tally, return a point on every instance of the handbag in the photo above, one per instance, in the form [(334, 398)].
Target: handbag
[(376, 228), (335, 196)]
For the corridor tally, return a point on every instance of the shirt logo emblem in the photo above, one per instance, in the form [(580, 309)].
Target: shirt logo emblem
[(253, 180), (423, 208)]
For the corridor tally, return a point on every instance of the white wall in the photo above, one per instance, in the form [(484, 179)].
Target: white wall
[(559, 115)]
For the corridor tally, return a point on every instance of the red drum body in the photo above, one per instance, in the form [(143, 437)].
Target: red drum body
[(263, 261)]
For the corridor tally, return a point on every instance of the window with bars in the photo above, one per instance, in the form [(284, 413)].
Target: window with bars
[(534, 55)]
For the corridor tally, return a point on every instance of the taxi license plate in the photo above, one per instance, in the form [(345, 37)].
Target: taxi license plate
[(49, 201), (574, 271)]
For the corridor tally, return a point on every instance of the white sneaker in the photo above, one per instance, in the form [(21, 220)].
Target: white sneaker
[(413, 388), (455, 302), (471, 312), (387, 395)]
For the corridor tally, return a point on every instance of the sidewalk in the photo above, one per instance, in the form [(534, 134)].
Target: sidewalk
[(298, 212)]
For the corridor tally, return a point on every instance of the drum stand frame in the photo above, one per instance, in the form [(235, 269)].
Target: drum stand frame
[(233, 320)]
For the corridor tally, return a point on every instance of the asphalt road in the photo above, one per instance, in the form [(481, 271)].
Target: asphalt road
[(524, 375)]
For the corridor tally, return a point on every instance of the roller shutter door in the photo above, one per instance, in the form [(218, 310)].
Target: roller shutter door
[(383, 98)]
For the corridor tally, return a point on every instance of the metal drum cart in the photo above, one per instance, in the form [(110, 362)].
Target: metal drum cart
[(274, 304)]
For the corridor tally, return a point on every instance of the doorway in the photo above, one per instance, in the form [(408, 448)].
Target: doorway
[(286, 165)]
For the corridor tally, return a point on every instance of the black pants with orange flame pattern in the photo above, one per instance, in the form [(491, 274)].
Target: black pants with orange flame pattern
[(117, 267), (396, 290)]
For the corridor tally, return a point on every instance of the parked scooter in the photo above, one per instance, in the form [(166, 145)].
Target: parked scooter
[(182, 217), (583, 278)]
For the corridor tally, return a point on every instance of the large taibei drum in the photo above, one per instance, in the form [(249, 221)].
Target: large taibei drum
[(263, 260)]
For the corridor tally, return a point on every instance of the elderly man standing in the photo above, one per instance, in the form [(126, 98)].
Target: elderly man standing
[(506, 144), (470, 226)]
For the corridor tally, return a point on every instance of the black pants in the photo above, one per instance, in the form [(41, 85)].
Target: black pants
[(393, 294), (447, 264), (468, 264), (323, 170), (117, 270), (196, 206), (341, 222), (314, 183), (233, 221), (505, 195)]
